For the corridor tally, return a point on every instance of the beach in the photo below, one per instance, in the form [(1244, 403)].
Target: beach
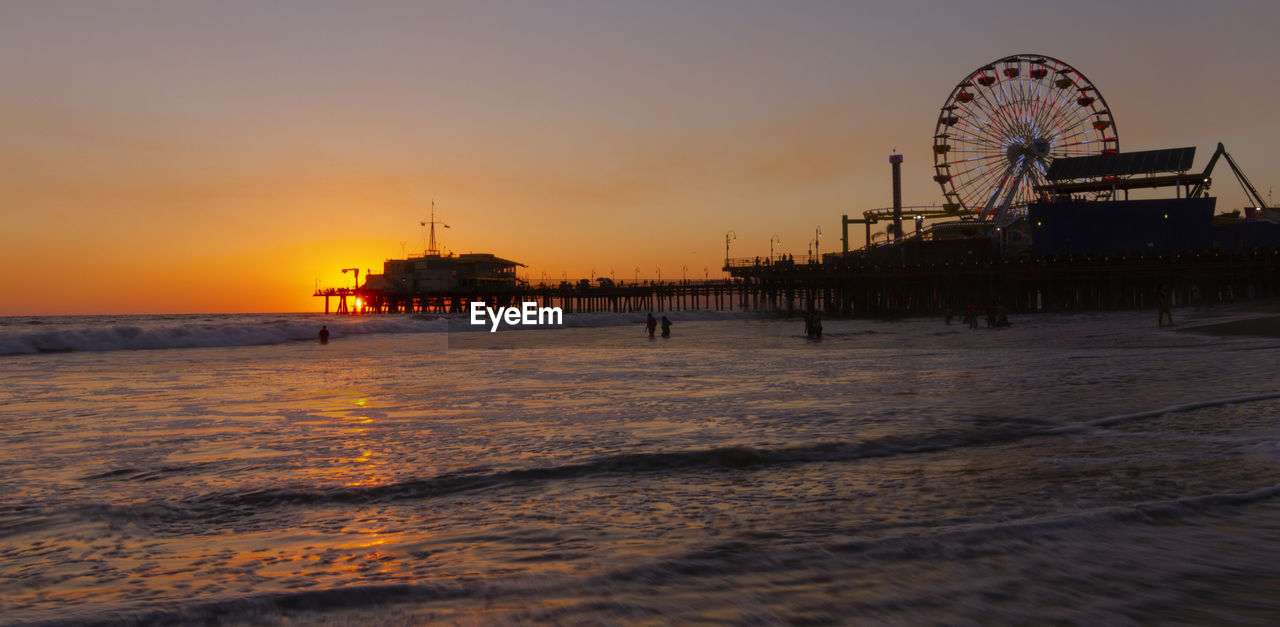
[(1072, 468), (1266, 326)]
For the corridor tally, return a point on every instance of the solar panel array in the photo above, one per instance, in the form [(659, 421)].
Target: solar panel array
[(1122, 164)]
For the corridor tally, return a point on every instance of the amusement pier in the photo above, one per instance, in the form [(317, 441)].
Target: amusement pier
[(1036, 216)]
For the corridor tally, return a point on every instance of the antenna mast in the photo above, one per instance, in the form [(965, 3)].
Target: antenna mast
[(431, 246)]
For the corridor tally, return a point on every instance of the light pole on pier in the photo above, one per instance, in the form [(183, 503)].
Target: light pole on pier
[(728, 237), (772, 240)]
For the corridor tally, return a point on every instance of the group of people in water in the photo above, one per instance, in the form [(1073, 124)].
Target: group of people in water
[(812, 324), (651, 325), (997, 316)]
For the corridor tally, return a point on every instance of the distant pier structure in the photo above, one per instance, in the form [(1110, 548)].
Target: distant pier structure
[(911, 280), (435, 283), (1074, 249), (1036, 216)]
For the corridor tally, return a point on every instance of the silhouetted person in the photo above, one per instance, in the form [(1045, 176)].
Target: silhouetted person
[(1002, 316), (1163, 303), (814, 324), (652, 324), (324, 334), (666, 327)]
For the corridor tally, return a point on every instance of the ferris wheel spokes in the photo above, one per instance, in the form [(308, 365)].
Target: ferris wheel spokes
[(1002, 126)]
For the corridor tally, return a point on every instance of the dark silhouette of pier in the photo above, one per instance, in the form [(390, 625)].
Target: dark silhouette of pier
[(1064, 254), (901, 284), (718, 295)]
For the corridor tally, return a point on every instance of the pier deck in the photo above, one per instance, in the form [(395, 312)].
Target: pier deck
[(857, 287)]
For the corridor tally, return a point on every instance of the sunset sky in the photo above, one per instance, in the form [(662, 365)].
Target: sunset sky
[(225, 156)]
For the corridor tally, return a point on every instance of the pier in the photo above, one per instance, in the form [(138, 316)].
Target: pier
[(716, 295), (1055, 232), (863, 287)]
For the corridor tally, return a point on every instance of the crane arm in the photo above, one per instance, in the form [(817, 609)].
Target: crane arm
[(1252, 193), (1203, 186)]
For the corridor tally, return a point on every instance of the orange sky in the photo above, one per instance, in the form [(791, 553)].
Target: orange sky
[(224, 157)]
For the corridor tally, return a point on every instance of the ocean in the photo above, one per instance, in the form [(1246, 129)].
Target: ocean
[(1075, 469)]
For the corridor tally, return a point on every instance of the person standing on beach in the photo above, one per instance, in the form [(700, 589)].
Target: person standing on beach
[(324, 334), (1162, 302), (651, 323), (666, 327)]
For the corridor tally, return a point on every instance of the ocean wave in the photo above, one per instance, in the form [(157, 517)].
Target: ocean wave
[(112, 333), (233, 505), (147, 333), (746, 552), (267, 607), (228, 507), (1217, 402), (1152, 512)]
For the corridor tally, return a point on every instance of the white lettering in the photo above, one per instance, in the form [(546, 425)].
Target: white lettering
[(495, 316), (528, 313), (511, 315), (555, 315)]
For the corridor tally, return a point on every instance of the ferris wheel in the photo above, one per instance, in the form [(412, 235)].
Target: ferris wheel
[(1002, 126)]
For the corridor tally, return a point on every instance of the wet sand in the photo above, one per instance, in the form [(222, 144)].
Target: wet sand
[(1268, 326), (1258, 318)]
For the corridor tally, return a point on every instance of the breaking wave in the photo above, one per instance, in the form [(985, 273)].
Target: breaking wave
[(25, 336), (115, 334), (740, 553), (228, 506)]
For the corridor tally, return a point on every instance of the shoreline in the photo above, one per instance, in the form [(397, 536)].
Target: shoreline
[(1267, 326), (1258, 318)]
